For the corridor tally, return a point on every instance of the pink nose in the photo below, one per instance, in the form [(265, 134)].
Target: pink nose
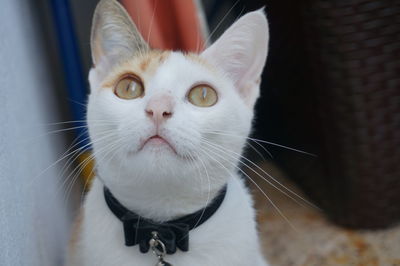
[(159, 108)]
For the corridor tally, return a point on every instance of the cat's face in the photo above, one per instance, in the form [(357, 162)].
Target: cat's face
[(159, 115)]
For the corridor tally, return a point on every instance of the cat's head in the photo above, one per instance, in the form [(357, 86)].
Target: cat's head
[(163, 116)]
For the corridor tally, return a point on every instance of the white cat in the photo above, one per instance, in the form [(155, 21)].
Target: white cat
[(164, 127)]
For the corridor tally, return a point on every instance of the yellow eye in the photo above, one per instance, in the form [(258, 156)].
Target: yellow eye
[(203, 96), (129, 88)]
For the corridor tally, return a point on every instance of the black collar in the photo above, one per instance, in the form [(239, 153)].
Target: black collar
[(173, 234)]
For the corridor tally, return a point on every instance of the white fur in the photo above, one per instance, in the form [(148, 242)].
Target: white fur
[(229, 237), (161, 185)]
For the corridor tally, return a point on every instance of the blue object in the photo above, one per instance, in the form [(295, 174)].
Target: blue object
[(72, 65)]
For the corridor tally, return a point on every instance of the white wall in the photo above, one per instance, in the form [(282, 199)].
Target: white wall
[(33, 214)]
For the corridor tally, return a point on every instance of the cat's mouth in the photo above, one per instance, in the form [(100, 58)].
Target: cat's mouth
[(157, 141)]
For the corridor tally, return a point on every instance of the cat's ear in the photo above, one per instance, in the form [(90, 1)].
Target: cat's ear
[(241, 53), (114, 36)]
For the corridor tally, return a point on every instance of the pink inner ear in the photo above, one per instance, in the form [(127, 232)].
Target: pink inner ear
[(241, 53)]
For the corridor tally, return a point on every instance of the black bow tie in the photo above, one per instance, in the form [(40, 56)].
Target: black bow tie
[(173, 234)]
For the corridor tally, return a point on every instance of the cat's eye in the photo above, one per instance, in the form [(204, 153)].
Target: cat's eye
[(202, 96), (129, 87)]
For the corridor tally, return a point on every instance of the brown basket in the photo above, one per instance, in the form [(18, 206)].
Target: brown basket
[(354, 50)]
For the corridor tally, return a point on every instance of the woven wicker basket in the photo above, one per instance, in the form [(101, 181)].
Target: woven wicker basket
[(332, 86), (354, 50)]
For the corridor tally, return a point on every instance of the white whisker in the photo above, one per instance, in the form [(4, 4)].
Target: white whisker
[(263, 141), (220, 22), (227, 151), (258, 187)]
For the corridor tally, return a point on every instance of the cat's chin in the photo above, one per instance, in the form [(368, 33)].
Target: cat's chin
[(158, 148)]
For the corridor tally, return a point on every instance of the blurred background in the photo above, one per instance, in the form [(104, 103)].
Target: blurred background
[(331, 88)]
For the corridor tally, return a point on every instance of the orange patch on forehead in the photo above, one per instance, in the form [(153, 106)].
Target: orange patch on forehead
[(153, 60), (143, 66), (197, 59), (164, 55)]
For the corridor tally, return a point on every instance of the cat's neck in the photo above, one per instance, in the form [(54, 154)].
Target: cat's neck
[(166, 201)]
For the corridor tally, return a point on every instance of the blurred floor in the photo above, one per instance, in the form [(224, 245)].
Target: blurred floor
[(314, 241)]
